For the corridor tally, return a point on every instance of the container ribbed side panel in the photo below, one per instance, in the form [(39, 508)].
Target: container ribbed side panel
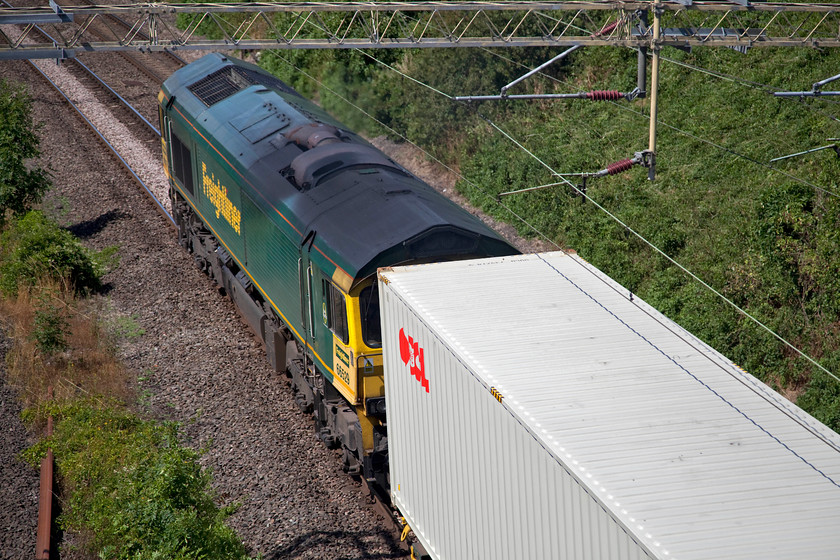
[(471, 480)]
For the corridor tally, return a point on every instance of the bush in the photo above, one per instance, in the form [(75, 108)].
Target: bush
[(50, 328), (131, 487), (21, 186), (35, 247)]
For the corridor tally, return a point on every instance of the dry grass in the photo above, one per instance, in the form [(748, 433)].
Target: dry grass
[(87, 366)]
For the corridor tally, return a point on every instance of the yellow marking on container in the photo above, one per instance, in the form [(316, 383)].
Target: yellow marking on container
[(495, 392), (381, 274)]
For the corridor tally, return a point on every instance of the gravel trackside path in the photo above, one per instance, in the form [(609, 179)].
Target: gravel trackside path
[(18, 481)]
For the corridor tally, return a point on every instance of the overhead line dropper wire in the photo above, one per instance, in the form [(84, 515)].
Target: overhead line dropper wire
[(721, 147), (620, 222), (755, 85), (720, 75), (738, 80)]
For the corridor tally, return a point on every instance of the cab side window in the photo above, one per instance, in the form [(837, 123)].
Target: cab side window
[(181, 162), (335, 310)]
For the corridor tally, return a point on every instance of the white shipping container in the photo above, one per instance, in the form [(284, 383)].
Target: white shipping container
[(537, 410)]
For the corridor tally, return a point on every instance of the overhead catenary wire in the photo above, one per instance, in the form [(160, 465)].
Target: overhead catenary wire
[(580, 192), (629, 229), (766, 88), (608, 28), (624, 107)]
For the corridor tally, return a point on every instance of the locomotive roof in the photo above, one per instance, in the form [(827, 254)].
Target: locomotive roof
[(365, 210)]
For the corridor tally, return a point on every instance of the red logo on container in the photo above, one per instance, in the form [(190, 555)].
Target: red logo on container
[(412, 356)]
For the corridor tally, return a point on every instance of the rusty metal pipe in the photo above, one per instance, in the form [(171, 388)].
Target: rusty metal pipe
[(42, 542), (42, 547)]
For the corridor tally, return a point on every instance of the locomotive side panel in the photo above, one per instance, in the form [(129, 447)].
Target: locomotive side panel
[(218, 199), (273, 262), (292, 214)]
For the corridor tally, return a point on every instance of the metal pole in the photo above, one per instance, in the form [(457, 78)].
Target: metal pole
[(811, 151), (654, 88), (641, 72), (44, 528), (821, 83), (539, 68)]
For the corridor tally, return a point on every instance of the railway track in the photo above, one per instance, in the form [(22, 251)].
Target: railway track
[(131, 135), (155, 67)]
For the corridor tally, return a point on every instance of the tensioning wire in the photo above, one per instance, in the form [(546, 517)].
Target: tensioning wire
[(691, 135), (755, 85), (736, 79), (621, 223)]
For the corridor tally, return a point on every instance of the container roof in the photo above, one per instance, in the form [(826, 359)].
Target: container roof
[(695, 457)]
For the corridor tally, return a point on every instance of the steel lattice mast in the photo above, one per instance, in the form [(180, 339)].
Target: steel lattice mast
[(347, 25)]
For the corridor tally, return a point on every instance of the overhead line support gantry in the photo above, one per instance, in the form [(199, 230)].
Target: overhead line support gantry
[(347, 25), (737, 24)]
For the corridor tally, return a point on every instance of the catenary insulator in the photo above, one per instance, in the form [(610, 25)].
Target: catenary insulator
[(607, 29), (620, 166), (604, 95)]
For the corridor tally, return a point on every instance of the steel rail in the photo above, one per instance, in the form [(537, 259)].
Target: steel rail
[(107, 144), (99, 133), (43, 546), (137, 31), (125, 102)]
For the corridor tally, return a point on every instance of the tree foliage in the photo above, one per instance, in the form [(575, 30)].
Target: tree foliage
[(21, 185), (33, 248)]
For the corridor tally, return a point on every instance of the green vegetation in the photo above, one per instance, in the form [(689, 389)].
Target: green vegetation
[(21, 186), (127, 485), (34, 247), (50, 327), (767, 237), (126, 327)]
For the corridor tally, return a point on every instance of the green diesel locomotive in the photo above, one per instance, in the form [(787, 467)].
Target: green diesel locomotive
[(292, 214)]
